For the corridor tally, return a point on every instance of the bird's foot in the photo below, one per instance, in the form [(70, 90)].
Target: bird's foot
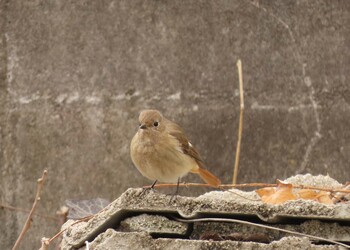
[(174, 195), (173, 198), (148, 189)]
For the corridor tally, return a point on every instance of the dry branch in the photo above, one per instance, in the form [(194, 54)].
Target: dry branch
[(229, 220), (44, 244), (48, 241), (240, 128), (18, 209), (40, 184), (244, 185)]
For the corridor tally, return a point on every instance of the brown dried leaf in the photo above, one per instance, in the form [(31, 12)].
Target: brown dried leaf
[(324, 197), (282, 193), (210, 236), (254, 237), (263, 192), (342, 197), (320, 196), (307, 194)]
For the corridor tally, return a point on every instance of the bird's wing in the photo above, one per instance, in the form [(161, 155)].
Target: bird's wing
[(186, 146)]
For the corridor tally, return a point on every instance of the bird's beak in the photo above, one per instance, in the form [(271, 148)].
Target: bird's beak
[(143, 126)]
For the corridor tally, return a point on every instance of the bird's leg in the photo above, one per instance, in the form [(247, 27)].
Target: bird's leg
[(173, 196), (154, 183), (148, 188)]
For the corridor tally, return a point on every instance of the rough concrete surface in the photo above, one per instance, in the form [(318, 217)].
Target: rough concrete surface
[(75, 74), (153, 224), (151, 213), (112, 240)]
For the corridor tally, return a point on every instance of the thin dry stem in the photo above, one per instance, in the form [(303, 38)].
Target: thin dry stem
[(62, 231), (28, 211), (227, 220), (48, 241), (44, 244), (244, 185), (40, 184), (240, 128)]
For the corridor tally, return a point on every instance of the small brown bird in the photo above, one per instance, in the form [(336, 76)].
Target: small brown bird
[(161, 151)]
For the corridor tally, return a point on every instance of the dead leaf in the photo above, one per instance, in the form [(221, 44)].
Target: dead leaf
[(342, 197), (285, 192), (263, 192), (307, 194), (282, 193), (324, 197), (319, 196)]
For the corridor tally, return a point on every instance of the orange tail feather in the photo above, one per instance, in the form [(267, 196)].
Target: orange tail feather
[(207, 177)]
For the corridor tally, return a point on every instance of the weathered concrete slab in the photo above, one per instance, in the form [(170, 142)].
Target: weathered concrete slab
[(111, 240), (300, 216), (153, 224)]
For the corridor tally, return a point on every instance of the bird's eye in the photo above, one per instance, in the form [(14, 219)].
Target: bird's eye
[(156, 124)]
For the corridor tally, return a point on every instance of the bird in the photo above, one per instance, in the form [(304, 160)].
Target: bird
[(161, 151)]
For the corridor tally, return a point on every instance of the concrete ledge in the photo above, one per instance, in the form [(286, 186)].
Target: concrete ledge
[(112, 239), (150, 218)]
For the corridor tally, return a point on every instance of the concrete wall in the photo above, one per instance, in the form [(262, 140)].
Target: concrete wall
[(75, 74)]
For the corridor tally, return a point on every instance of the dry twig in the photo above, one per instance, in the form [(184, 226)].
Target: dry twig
[(244, 185), (240, 128), (227, 220), (28, 211), (46, 242), (40, 184)]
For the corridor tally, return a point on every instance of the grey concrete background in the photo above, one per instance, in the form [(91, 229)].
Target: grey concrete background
[(75, 74)]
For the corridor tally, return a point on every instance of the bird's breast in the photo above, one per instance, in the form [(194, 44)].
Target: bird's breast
[(162, 159)]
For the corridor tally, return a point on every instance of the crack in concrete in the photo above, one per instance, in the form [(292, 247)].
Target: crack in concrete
[(317, 135), (257, 106), (307, 81)]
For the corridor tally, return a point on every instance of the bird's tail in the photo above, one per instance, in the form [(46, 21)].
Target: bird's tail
[(207, 176)]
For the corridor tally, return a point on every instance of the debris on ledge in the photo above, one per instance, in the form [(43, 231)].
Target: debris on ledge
[(138, 220)]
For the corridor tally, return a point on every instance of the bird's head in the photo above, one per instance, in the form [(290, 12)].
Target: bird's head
[(151, 122)]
